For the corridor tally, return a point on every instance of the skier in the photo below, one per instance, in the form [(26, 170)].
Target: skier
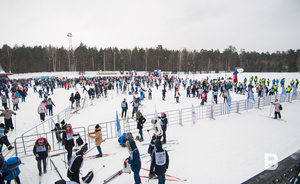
[(68, 140), (72, 100), (177, 95), (42, 110), (135, 104), (4, 100), (150, 94), (157, 128), (7, 113), (15, 101), (140, 123), (134, 160), (40, 151), (215, 93), (163, 123), (50, 106), (4, 139), (77, 99), (57, 129), (164, 94), (203, 97), (159, 162), (76, 163), (278, 108), (97, 135), (124, 107), (11, 169)]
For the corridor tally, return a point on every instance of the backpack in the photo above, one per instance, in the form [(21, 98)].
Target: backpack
[(79, 141), (280, 107), (88, 178)]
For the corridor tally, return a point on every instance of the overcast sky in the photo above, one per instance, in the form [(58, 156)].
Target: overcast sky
[(253, 25)]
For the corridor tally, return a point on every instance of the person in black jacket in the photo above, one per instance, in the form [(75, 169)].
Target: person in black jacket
[(40, 150), (72, 100), (77, 99), (124, 107), (140, 123), (159, 162), (164, 122), (57, 129), (68, 140), (76, 164)]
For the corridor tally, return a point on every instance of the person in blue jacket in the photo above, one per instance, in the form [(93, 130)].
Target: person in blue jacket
[(11, 169), (134, 160), (159, 162), (122, 140)]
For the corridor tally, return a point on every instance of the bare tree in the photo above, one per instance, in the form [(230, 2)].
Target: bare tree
[(52, 56)]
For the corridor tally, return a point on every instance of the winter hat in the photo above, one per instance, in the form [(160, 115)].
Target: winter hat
[(124, 99), (69, 125), (276, 100), (63, 123), (83, 149), (41, 140), (97, 126), (2, 125)]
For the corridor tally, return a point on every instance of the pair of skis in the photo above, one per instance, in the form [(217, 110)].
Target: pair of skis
[(170, 177)]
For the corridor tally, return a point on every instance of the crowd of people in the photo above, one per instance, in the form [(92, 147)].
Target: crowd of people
[(139, 87)]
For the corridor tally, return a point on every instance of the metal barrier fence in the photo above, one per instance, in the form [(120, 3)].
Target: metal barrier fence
[(24, 145), (182, 116)]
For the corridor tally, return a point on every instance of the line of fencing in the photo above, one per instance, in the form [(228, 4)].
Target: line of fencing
[(175, 117)]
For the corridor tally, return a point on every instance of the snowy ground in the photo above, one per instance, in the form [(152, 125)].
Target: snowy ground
[(226, 150)]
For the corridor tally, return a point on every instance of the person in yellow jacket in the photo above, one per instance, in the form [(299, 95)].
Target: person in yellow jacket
[(97, 135)]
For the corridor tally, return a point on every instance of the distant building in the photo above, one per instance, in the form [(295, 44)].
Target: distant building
[(3, 74)]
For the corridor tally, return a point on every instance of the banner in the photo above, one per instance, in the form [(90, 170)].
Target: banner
[(118, 125)]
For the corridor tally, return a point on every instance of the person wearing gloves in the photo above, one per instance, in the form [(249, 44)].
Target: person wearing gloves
[(159, 162), (40, 151), (157, 129), (76, 163), (97, 135), (134, 160), (140, 120)]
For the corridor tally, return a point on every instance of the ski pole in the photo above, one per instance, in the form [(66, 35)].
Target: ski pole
[(90, 149), (149, 134), (56, 169)]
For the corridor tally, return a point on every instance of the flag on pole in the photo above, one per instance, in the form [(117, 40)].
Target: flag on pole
[(251, 97), (229, 100), (193, 114), (118, 125), (283, 92)]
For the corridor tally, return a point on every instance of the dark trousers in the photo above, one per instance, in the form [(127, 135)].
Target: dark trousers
[(73, 176), (137, 178), (141, 133), (8, 124), (99, 150), (279, 115), (161, 179), (42, 116), (15, 107), (164, 133), (17, 180), (50, 107), (69, 150), (39, 165), (216, 98), (4, 140), (124, 112)]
